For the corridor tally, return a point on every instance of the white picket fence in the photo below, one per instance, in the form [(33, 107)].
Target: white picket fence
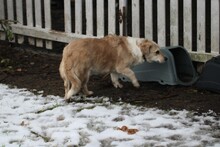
[(194, 25)]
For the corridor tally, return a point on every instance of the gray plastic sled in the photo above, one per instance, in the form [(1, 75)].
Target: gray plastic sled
[(178, 69)]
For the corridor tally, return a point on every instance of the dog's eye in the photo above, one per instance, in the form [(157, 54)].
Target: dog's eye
[(157, 52)]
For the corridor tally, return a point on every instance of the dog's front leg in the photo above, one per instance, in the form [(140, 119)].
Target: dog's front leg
[(115, 82), (130, 74)]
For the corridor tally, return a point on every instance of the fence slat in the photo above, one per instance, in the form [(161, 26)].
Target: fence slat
[(174, 35), (89, 17), (215, 6), (78, 16), (111, 17), (201, 26), (30, 20), (10, 12), (122, 21), (187, 23), (161, 22), (100, 18), (148, 7), (67, 16), (47, 16), (19, 12), (135, 18), (2, 16), (38, 20), (10, 9)]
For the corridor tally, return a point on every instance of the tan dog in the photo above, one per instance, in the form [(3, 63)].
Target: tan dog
[(111, 54)]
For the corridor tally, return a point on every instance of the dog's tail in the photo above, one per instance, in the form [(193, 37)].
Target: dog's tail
[(63, 75)]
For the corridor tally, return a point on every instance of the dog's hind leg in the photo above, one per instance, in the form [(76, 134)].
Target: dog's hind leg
[(115, 82), (86, 91), (73, 91), (84, 85), (75, 84), (67, 86)]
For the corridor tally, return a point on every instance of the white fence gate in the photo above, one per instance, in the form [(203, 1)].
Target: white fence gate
[(190, 23)]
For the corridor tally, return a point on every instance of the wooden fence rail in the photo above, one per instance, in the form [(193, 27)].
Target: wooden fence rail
[(193, 24)]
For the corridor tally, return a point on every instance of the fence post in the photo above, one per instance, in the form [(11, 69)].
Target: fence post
[(174, 31), (187, 23), (148, 7), (78, 16), (122, 17), (38, 20), (135, 18), (215, 6), (67, 16), (2, 17), (201, 26), (19, 12), (161, 22), (100, 17), (89, 17), (111, 17), (47, 15), (30, 20), (10, 12)]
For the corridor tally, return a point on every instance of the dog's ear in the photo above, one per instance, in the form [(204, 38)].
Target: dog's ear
[(148, 48), (141, 42), (145, 46)]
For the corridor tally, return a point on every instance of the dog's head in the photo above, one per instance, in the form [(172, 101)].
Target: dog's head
[(151, 51)]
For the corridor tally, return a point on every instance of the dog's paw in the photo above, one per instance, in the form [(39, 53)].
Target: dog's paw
[(89, 93), (69, 100), (120, 85), (117, 85), (137, 85)]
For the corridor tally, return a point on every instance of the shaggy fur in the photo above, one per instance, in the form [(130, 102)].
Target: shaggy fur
[(111, 54)]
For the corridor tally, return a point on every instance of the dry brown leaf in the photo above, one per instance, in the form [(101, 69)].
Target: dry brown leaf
[(129, 131), (132, 131)]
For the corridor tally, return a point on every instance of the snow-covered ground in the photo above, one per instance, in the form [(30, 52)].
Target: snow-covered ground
[(28, 119)]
